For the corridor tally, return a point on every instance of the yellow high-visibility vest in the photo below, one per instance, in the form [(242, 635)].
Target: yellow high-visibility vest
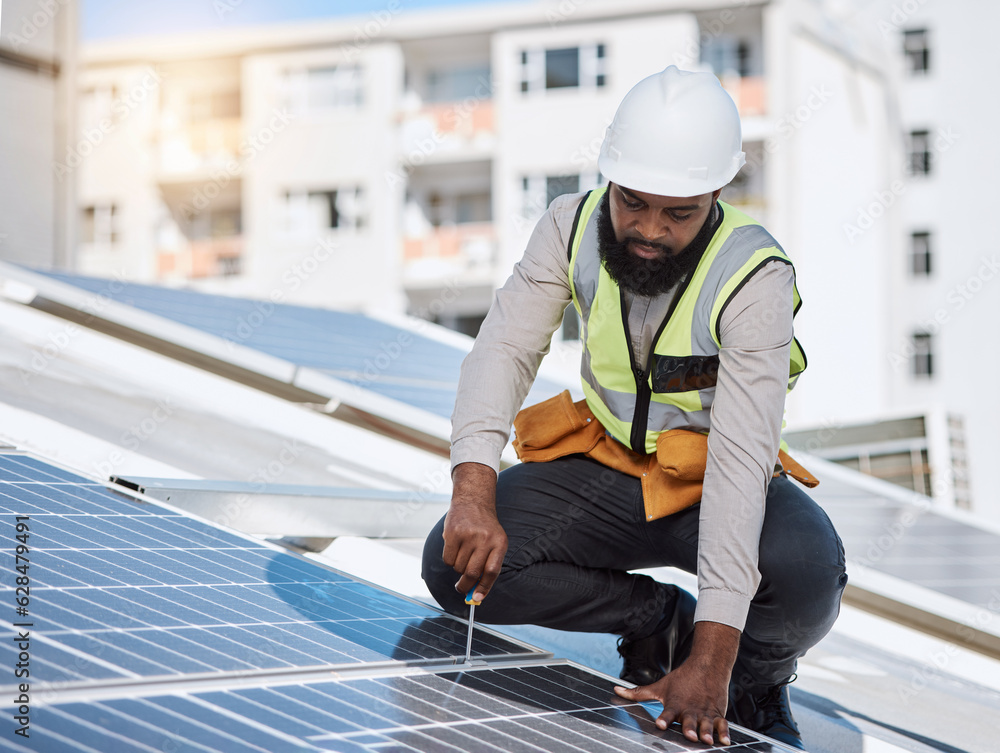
[(675, 389)]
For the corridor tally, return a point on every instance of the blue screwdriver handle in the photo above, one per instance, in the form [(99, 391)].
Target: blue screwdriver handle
[(468, 596)]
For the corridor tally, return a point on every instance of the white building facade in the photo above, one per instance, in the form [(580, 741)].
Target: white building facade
[(398, 161), (37, 109)]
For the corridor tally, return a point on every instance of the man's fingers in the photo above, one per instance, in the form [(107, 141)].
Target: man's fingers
[(689, 726), (668, 717), (471, 574), (722, 730), (491, 572), (705, 729), (482, 568), (636, 694)]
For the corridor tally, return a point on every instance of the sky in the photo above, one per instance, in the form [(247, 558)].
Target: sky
[(104, 19)]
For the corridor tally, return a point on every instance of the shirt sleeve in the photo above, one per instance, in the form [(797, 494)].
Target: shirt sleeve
[(756, 337), (499, 371)]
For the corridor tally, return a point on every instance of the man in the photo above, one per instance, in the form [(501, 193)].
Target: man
[(686, 310)]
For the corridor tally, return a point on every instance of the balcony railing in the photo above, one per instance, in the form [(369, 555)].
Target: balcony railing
[(197, 146), (211, 257), (468, 248), (447, 126)]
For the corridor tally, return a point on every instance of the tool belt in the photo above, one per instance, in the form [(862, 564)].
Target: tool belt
[(672, 477)]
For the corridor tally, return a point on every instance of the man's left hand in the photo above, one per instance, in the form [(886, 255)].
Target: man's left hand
[(696, 694)]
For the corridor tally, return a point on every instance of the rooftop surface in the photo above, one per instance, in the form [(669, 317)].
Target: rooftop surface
[(103, 405)]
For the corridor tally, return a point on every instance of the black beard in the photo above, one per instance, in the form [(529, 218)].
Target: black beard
[(647, 277)]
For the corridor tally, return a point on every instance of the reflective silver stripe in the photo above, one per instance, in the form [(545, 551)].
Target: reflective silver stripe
[(587, 266), (742, 243), (662, 416)]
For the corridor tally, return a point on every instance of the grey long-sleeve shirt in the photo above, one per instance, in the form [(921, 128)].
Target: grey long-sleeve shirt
[(746, 415)]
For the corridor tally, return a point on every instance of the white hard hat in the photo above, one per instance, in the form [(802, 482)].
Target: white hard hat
[(676, 133)]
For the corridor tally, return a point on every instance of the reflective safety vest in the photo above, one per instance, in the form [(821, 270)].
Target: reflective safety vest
[(675, 388)]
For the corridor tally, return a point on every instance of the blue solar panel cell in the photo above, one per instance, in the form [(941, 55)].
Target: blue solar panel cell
[(17, 467), (482, 709), (396, 363), (143, 590), (57, 664)]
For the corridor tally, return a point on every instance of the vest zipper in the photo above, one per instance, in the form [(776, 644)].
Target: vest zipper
[(643, 390), (643, 395)]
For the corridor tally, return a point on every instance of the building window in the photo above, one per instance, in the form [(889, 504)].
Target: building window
[(100, 225), (919, 153), (920, 254), (728, 55), (916, 51), (923, 357), (456, 84), (564, 68), (323, 89), (557, 185), (538, 191), (311, 212)]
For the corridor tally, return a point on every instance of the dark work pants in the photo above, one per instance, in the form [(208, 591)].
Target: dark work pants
[(575, 527)]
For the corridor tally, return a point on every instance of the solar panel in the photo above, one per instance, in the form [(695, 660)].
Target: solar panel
[(553, 707), (357, 349), (151, 630), (135, 589), (904, 537)]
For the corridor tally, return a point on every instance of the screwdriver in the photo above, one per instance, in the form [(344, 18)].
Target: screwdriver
[(472, 618)]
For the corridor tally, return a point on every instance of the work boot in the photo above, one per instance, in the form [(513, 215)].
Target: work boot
[(646, 660), (767, 711)]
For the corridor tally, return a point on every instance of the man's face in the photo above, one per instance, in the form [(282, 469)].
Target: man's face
[(647, 242), (653, 226)]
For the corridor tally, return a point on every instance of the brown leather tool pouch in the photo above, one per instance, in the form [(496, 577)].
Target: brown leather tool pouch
[(671, 478)]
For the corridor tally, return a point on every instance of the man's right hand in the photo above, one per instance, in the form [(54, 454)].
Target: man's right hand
[(474, 540)]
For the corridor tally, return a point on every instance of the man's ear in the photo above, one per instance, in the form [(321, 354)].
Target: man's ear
[(716, 194)]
